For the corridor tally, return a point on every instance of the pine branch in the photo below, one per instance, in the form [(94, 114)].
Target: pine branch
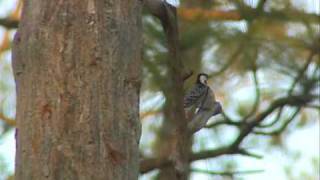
[(282, 128), (226, 173), (9, 23), (149, 164), (198, 14), (9, 121), (289, 100)]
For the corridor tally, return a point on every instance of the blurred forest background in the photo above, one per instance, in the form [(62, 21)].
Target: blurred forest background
[(263, 60)]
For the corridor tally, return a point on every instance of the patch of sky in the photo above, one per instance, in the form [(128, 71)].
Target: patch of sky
[(7, 6), (151, 100), (251, 3), (7, 150), (310, 6), (175, 3), (149, 175)]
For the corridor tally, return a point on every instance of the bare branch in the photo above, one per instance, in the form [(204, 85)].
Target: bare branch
[(187, 75), (227, 173), (155, 7), (153, 163), (149, 164), (282, 128), (296, 80), (7, 120), (9, 23), (312, 106), (290, 100), (276, 119), (257, 96), (198, 14), (223, 122), (301, 72), (247, 153)]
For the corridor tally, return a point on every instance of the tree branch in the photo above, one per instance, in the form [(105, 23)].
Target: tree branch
[(282, 128), (247, 153), (276, 119), (7, 120), (257, 96), (313, 106), (223, 122), (227, 173), (301, 72), (155, 7), (293, 85), (199, 14), (153, 163), (289, 100), (9, 23), (149, 164)]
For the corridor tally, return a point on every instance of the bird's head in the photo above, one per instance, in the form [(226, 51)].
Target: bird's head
[(202, 78)]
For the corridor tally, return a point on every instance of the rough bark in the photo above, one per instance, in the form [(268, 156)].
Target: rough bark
[(77, 70), (167, 140), (180, 140)]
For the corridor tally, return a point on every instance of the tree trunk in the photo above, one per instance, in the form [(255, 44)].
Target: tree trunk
[(167, 140), (77, 72), (180, 140)]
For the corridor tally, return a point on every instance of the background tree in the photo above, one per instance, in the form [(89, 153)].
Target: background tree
[(263, 58)]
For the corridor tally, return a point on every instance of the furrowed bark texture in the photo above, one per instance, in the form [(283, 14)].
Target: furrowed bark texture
[(181, 140), (77, 71)]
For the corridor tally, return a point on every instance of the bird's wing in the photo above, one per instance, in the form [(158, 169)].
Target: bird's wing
[(194, 95)]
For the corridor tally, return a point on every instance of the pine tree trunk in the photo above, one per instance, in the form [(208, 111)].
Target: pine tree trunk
[(77, 71)]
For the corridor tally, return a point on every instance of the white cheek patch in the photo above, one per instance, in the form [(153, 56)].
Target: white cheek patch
[(203, 79)]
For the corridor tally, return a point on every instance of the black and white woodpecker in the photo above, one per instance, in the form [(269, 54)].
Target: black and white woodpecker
[(201, 103)]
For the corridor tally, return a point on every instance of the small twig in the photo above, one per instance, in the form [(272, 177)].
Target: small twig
[(312, 106), (290, 91), (247, 153), (289, 100), (282, 128), (7, 120), (223, 122), (257, 97), (187, 75), (9, 23), (226, 173), (301, 72), (276, 119)]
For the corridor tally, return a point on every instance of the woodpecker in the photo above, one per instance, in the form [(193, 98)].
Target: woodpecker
[(201, 98)]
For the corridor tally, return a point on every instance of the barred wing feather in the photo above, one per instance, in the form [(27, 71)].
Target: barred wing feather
[(193, 95)]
